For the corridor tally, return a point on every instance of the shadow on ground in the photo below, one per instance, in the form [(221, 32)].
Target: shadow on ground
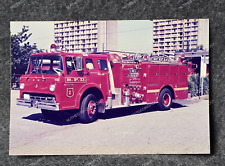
[(72, 116)]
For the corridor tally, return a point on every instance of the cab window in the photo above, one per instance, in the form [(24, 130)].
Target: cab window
[(102, 64), (89, 64), (70, 64)]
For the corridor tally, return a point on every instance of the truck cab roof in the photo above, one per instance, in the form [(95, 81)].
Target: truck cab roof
[(93, 55)]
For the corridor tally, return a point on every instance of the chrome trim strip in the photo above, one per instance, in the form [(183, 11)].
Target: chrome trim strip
[(38, 104)]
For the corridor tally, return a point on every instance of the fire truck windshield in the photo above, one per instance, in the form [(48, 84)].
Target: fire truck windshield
[(45, 64)]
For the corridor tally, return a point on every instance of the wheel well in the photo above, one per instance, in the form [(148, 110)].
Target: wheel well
[(94, 91), (171, 90)]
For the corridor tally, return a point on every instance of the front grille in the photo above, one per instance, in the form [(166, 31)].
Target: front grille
[(42, 97)]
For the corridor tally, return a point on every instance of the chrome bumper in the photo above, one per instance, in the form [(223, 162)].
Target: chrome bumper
[(38, 104)]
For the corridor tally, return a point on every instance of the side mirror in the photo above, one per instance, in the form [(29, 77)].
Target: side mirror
[(79, 63)]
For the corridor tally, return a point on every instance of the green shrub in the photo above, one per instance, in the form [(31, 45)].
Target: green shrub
[(194, 85), (206, 85)]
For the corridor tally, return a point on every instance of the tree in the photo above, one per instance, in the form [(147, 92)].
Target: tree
[(20, 52)]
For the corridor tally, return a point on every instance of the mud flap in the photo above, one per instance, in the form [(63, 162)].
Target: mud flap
[(101, 107)]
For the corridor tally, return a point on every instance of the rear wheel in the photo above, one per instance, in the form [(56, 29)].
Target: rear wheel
[(165, 99), (88, 109)]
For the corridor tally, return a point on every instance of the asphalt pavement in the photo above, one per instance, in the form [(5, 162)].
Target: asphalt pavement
[(135, 130)]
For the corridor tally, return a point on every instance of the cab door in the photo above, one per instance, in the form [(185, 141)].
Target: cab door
[(103, 75), (91, 71), (96, 72)]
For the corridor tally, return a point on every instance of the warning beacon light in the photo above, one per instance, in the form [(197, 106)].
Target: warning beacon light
[(53, 48)]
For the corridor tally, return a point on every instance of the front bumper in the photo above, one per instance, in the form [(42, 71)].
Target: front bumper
[(38, 104)]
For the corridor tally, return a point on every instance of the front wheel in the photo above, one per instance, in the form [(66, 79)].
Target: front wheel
[(88, 109), (165, 99)]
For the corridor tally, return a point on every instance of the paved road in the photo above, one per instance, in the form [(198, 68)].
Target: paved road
[(137, 130)]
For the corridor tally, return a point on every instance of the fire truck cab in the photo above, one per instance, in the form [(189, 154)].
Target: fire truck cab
[(92, 83)]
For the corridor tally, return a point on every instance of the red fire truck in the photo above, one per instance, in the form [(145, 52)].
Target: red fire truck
[(92, 83)]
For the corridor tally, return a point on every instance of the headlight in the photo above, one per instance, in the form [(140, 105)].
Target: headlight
[(26, 96), (52, 88), (21, 85)]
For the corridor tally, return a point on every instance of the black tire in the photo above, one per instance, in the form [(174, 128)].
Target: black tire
[(165, 99), (88, 109)]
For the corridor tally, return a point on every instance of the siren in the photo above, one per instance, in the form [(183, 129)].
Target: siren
[(53, 48)]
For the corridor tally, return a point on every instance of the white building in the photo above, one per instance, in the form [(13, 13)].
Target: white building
[(86, 36), (172, 35)]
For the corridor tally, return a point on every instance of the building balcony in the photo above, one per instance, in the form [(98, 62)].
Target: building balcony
[(193, 47), (167, 49), (81, 22), (194, 38), (194, 24), (161, 36), (168, 31), (155, 21), (94, 31), (168, 27), (187, 25), (94, 41), (87, 32), (71, 24), (173, 35), (174, 22), (155, 45), (87, 27), (187, 29), (154, 53), (161, 28), (161, 23), (161, 32), (194, 29), (167, 40), (94, 26), (93, 37), (194, 34), (71, 33), (82, 37)]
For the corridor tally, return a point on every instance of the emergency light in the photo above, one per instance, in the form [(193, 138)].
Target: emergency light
[(53, 48)]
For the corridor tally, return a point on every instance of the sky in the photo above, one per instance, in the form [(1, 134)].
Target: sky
[(135, 35), (42, 32)]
